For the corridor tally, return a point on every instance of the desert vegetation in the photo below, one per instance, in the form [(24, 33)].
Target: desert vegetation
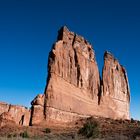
[(90, 129)]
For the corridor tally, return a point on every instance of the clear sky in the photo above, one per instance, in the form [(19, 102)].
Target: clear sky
[(28, 28)]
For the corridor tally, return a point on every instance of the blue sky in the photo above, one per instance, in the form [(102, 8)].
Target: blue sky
[(28, 28)]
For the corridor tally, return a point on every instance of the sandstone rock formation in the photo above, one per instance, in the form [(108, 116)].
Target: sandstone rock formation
[(37, 110), (74, 88), (18, 114), (6, 119), (116, 93)]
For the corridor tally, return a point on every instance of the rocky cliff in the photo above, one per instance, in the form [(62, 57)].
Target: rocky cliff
[(116, 93), (14, 113), (74, 88)]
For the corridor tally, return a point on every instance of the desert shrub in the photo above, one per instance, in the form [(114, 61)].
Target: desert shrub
[(15, 135), (9, 136), (47, 130), (24, 134), (136, 134), (90, 129), (132, 120), (139, 123)]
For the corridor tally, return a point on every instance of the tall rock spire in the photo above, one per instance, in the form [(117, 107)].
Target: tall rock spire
[(74, 88), (115, 86)]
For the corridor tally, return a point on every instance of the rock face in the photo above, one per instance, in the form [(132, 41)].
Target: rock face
[(4, 107), (74, 88), (18, 114), (37, 110), (116, 93), (6, 119), (73, 80)]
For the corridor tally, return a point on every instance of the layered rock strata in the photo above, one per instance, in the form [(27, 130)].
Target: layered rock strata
[(18, 114), (37, 110), (116, 93), (74, 88)]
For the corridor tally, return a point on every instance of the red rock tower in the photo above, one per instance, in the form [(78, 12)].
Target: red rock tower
[(74, 88)]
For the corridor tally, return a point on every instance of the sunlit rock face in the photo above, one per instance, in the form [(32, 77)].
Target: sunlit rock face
[(4, 107), (37, 110), (73, 82), (6, 119), (74, 88), (73, 79), (18, 114), (116, 93)]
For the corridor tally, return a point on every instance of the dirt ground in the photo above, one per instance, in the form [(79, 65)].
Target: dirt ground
[(109, 130)]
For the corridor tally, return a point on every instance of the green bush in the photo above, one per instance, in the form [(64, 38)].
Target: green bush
[(48, 130), (24, 134), (90, 129), (14, 135), (136, 133), (138, 123), (9, 136), (132, 120)]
